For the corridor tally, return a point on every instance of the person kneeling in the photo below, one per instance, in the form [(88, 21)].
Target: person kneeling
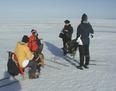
[(25, 57)]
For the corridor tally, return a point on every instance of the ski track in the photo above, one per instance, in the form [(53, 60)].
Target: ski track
[(100, 76)]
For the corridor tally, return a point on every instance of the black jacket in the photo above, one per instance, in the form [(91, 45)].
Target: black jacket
[(67, 30), (83, 31)]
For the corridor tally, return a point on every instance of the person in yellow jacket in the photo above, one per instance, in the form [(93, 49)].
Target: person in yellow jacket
[(24, 55)]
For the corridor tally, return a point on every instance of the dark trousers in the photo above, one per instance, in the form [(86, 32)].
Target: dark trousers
[(64, 43), (33, 66), (65, 46), (84, 55)]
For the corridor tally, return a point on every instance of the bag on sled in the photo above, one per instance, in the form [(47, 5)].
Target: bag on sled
[(12, 67)]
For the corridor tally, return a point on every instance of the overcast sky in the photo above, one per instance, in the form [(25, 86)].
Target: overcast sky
[(30, 9)]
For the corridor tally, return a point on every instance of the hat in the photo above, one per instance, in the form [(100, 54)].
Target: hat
[(67, 21), (25, 39), (84, 17)]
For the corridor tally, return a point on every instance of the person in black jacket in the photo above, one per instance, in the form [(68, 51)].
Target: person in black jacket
[(83, 31), (67, 35)]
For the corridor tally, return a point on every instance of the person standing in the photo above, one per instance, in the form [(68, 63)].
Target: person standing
[(83, 32), (66, 35)]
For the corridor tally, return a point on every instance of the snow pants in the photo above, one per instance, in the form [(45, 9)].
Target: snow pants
[(84, 54)]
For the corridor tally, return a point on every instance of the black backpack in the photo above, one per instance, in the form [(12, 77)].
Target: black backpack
[(12, 67)]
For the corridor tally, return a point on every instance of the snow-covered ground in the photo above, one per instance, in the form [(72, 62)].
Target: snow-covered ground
[(101, 75)]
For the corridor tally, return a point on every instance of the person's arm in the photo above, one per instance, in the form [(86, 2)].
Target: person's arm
[(65, 30), (29, 54), (30, 43), (91, 31), (78, 32), (71, 30)]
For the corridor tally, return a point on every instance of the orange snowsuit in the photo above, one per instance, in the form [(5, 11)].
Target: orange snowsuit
[(33, 43)]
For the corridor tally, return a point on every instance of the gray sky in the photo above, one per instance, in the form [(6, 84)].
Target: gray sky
[(32, 9)]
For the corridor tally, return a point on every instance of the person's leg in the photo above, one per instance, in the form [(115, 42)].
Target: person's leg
[(87, 56), (63, 43), (64, 46), (39, 68), (33, 66), (81, 53)]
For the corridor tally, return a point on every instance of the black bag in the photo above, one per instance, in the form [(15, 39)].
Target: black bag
[(61, 35), (12, 66)]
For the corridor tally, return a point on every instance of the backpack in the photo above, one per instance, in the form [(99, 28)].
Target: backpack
[(12, 67)]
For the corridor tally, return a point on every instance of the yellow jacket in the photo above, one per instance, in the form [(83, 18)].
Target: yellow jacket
[(23, 53)]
